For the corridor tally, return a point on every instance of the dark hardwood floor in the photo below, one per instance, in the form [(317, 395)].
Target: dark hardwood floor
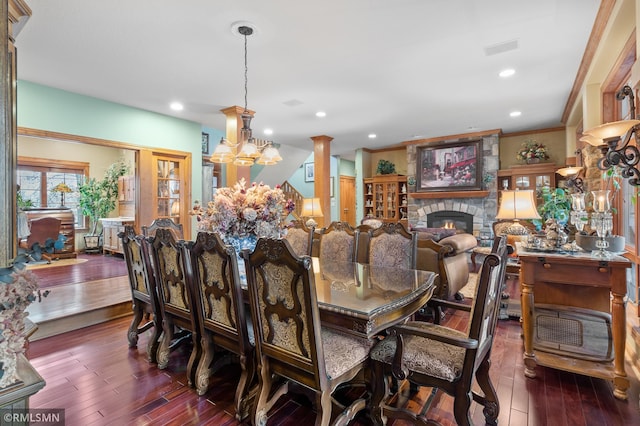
[(97, 379), (97, 266)]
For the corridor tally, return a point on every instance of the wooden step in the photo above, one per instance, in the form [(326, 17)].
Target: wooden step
[(73, 306)]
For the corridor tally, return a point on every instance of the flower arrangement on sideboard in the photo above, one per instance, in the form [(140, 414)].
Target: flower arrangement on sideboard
[(239, 211), (532, 152)]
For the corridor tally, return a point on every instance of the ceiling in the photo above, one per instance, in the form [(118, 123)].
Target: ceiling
[(403, 69)]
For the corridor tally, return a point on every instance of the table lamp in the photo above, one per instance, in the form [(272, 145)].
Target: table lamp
[(517, 205), (311, 208)]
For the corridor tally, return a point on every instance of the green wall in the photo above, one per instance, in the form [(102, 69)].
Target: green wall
[(45, 108)]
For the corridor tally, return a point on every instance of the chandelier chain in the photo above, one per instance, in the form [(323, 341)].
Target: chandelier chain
[(246, 70)]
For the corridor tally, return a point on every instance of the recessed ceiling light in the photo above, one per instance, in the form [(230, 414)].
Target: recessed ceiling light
[(515, 114), (268, 131), (372, 136), (321, 114), (507, 72), (176, 106)]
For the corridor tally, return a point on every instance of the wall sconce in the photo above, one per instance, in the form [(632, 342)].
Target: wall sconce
[(615, 140), (574, 181), (311, 208)]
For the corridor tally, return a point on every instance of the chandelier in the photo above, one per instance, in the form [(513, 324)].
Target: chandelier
[(619, 141), (252, 150)]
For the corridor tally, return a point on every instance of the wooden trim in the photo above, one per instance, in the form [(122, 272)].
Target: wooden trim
[(455, 194), (66, 137), (531, 132), (473, 135), (602, 18), (57, 164), (390, 148)]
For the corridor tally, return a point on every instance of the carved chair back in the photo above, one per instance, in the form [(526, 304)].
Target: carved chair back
[(337, 243), (143, 291), (300, 237), (164, 222), (392, 245), (175, 298), (220, 310)]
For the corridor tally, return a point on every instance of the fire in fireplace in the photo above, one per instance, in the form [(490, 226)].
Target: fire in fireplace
[(451, 220)]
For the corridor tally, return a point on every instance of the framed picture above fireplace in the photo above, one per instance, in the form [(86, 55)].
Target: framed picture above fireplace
[(453, 166)]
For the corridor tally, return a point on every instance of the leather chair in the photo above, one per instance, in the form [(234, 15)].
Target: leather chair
[(290, 342), (337, 243), (167, 223), (300, 237), (143, 292), (431, 355), (175, 297), (43, 231), (220, 312)]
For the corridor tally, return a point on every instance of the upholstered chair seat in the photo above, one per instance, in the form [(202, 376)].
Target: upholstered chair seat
[(426, 356)]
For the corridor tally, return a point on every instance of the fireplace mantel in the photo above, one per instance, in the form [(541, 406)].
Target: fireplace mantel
[(446, 194)]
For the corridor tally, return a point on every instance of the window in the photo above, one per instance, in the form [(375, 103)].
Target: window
[(37, 177)]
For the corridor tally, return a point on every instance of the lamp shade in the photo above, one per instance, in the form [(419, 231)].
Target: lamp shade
[(569, 171), (612, 130), (518, 205), (311, 207)]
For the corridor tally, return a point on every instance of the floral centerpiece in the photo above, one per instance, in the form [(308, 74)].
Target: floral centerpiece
[(18, 289), (532, 152), (239, 211), (240, 214)]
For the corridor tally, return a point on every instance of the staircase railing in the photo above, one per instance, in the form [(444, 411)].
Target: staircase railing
[(291, 193)]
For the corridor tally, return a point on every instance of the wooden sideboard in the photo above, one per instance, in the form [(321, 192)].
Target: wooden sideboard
[(582, 329), (111, 228), (67, 227)]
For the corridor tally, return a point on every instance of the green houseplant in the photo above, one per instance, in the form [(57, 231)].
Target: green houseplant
[(98, 197)]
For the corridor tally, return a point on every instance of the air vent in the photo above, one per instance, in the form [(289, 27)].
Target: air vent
[(501, 47), (293, 102)]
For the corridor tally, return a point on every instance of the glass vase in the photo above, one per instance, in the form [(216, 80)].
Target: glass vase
[(239, 243)]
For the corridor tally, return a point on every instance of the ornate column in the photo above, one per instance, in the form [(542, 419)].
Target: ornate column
[(234, 124), (10, 13), (322, 175)]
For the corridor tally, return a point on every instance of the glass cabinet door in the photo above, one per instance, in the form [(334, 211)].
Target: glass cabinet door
[(168, 189)]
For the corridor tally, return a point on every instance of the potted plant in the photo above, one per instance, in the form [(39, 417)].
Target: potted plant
[(98, 198)]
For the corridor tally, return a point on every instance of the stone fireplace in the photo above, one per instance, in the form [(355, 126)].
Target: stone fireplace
[(479, 212)]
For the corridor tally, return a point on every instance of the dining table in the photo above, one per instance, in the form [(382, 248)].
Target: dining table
[(364, 299)]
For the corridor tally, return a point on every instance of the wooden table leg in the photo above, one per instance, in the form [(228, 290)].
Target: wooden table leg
[(527, 327), (618, 318)]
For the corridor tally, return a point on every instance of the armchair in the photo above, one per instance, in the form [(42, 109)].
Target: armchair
[(431, 355)]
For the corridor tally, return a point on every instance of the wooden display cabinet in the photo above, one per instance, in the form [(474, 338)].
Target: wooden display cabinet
[(386, 198), (528, 176), (165, 188)]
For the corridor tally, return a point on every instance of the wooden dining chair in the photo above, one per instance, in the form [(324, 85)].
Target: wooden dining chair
[(431, 355), (290, 342), (337, 243), (220, 309), (164, 222), (175, 297), (300, 237), (392, 245), (143, 292)]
